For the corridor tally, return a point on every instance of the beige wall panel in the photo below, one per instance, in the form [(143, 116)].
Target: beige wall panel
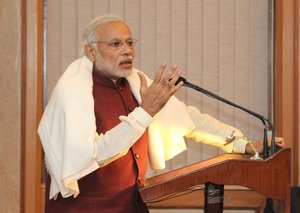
[(210, 52), (133, 19), (194, 67), (85, 13), (179, 39), (100, 7), (10, 106), (53, 43), (210, 62), (260, 85), (147, 43), (69, 39), (117, 7), (242, 63), (227, 58), (163, 32)]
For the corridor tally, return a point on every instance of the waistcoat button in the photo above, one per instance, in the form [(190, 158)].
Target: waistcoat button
[(137, 156), (129, 109)]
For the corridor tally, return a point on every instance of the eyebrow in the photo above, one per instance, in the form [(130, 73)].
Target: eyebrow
[(118, 39)]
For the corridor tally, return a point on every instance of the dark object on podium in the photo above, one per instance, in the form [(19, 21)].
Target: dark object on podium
[(213, 198), (270, 177)]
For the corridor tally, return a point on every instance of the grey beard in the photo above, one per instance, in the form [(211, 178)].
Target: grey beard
[(123, 73)]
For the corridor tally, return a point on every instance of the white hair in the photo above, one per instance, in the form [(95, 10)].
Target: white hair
[(89, 35)]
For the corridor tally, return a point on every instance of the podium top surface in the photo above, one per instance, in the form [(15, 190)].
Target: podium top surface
[(271, 177)]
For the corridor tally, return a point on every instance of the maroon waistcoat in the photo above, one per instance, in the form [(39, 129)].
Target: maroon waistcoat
[(112, 188)]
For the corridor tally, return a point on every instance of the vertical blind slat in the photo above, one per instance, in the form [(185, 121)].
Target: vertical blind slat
[(53, 45), (243, 63), (69, 40), (194, 67), (85, 14), (210, 63), (147, 38)]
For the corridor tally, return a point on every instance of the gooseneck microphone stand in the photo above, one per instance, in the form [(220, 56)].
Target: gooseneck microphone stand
[(264, 120)]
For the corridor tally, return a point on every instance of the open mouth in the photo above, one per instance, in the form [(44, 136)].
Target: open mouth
[(127, 63)]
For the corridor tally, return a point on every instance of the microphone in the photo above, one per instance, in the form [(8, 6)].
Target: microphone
[(263, 119)]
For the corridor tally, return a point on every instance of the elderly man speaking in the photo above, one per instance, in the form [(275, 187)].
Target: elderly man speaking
[(106, 119)]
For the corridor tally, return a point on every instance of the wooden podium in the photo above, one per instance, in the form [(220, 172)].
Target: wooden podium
[(270, 177)]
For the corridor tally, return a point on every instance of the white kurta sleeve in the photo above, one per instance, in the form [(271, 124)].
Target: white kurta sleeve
[(116, 142), (211, 131)]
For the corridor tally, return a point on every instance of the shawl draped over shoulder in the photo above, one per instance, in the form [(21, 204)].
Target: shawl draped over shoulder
[(68, 129)]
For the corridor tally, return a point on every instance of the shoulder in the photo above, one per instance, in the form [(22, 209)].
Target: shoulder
[(75, 80)]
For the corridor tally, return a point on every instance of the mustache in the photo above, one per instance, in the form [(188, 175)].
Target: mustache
[(126, 60)]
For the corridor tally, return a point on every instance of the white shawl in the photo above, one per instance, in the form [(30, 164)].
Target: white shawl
[(68, 129)]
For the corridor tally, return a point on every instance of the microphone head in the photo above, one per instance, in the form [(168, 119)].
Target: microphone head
[(181, 79)]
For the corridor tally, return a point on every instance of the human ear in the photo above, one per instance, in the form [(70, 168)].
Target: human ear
[(90, 52)]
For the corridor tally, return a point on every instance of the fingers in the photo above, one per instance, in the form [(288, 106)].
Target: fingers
[(159, 73), (174, 79), (143, 80), (170, 74), (161, 89), (279, 141), (169, 78)]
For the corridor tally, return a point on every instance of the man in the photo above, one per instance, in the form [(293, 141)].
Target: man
[(105, 118)]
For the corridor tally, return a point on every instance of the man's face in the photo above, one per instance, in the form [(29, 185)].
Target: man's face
[(114, 52)]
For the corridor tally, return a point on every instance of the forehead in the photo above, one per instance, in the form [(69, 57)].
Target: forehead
[(113, 30)]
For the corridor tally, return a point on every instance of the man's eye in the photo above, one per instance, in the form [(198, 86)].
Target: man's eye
[(130, 43), (115, 44)]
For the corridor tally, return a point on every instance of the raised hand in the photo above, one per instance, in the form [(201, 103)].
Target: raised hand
[(162, 88)]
